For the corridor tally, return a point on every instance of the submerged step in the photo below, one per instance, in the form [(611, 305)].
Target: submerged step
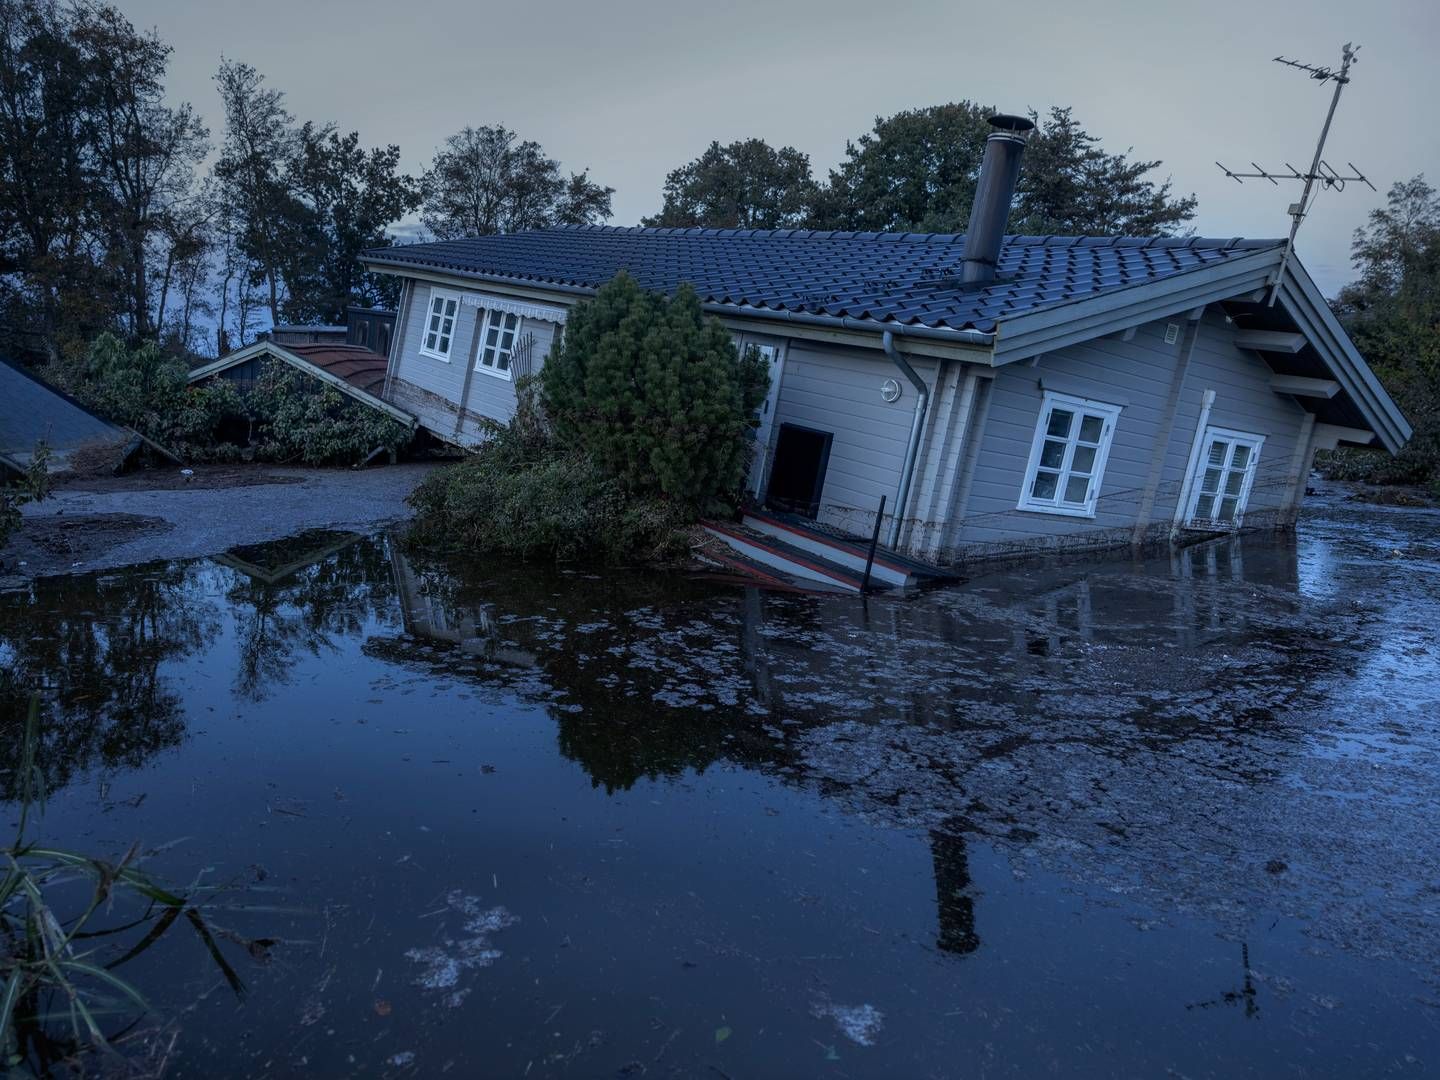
[(787, 559)]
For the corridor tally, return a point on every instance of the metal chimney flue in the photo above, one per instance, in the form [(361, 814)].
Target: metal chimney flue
[(999, 172)]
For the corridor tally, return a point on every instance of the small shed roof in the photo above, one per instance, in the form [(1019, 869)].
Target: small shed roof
[(351, 369)]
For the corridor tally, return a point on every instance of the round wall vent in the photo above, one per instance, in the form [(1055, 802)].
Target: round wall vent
[(890, 390)]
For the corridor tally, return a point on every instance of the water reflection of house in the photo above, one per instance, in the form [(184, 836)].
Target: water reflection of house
[(470, 625)]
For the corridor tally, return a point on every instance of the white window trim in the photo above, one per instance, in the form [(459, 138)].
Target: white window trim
[(1193, 482), (482, 328), (1111, 414), (446, 294)]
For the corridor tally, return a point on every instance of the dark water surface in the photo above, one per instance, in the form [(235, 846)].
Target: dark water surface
[(1104, 818)]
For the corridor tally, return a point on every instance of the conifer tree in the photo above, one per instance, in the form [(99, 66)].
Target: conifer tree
[(656, 392)]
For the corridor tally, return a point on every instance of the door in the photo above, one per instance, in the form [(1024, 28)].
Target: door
[(797, 476), (774, 357), (1226, 474)]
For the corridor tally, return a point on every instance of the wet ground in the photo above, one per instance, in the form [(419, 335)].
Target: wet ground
[(1106, 818)]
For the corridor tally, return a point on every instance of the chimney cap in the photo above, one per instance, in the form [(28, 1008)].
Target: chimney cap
[(1019, 125)]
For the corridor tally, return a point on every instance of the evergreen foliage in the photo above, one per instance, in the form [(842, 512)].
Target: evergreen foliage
[(656, 393), (523, 493)]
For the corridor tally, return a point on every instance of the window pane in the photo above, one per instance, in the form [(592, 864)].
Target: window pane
[(502, 361), (1205, 507), (1052, 455), (1060, 423), (1217, 452), (511, 321), (450, 308), (1233, 480), (1241, 456), (1090, 428), (1076, 489), (434, 322), (444, 343), (487, 357), (1211, 484), (492, 336), (430, 340), (1084, 459), (1227, 510), (1044, 486), (437, 304)]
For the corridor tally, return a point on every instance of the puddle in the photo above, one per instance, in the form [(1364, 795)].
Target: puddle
[(1099, 817)]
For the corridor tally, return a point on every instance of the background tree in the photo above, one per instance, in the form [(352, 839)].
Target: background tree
[(747, 184), (486, 180), (48, 273), (655, 392), (344, 198), (1392, 311), (144, 153), (916, 171), (260, 138)]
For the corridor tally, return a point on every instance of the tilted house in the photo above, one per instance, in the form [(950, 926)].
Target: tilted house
[(1002, 394)]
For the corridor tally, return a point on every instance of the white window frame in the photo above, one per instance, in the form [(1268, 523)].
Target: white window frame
[(442, 295), (499, 349), (1195, 482), (1109, 415)]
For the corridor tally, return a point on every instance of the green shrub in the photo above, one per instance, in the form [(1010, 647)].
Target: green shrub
[(33, 486), (144, 389), (522, 493), (656, 394), (299, 419), (289, 417)]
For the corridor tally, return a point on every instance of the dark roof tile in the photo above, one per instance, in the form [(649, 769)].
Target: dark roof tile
[(911, 277)]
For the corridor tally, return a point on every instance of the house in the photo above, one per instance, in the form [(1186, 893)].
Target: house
[(1002, 394)]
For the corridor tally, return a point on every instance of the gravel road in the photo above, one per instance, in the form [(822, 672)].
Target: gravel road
[(161, 514)]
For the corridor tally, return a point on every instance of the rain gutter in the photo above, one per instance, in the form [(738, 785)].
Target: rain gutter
[(917, 428)]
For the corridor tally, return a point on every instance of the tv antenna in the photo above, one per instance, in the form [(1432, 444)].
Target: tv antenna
[(1320, 170)]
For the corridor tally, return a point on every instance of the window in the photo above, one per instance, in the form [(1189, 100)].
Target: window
[(497, 343), (1067, 457), (440, 325), (1222, 479)]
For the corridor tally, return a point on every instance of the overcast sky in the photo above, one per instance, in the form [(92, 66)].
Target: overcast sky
[(633, 88)]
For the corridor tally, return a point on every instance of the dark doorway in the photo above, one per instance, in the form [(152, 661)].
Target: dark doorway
[(798, 473)]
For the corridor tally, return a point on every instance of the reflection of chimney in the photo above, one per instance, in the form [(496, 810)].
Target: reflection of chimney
[(954, 900), (999, 172)]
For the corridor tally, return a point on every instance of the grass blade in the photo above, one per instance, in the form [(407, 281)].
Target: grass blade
[(111, 979), (7, 1004)]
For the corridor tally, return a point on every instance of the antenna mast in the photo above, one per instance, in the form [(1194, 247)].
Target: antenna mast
[(1319, 169)]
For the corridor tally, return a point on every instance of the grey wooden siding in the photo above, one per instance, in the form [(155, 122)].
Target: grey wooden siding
[(1136, 375), (491, 395), (838, 390), (421, 380), (1243, 402)]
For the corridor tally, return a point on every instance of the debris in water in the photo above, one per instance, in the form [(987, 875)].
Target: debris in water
[(441, 966), (858, 1023), (400, 1060)]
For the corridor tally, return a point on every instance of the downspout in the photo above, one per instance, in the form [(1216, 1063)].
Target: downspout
[(917, 429)]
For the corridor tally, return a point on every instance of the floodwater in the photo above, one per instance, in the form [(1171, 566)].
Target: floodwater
[(1101, 818)]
